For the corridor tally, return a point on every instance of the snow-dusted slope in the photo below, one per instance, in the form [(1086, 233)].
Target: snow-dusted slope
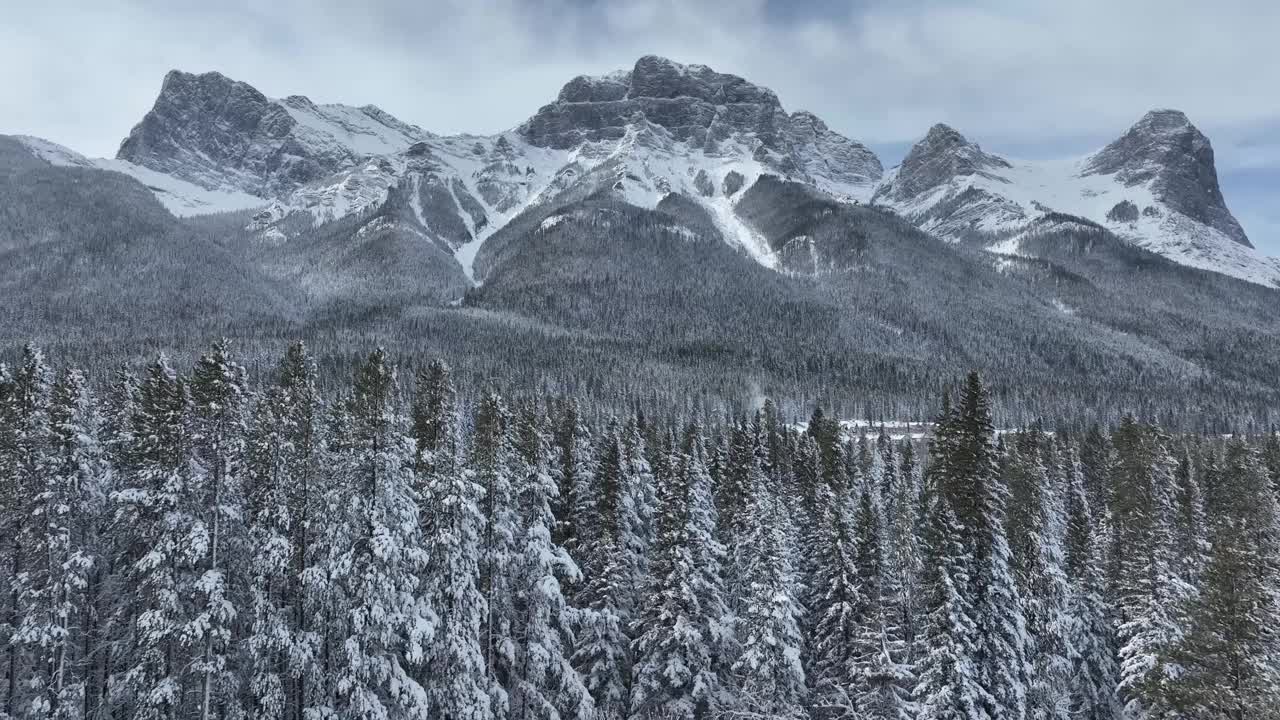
[(179, 196), (213, 143), (1155, 186)]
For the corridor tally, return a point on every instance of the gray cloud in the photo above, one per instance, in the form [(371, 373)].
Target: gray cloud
[(1040, 76)]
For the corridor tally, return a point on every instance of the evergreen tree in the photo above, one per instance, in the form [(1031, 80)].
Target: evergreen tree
[(493, 462), (969, 480), (686, 636), (454, 675), (1147, 586), (950, 686), (24, 463), (672, 655), (770, 677), (285, 495), (376, 559), (218, 401), (544, 685), (1229, 661), (714, 617), (65, 520), (154, 503), (1035, 532), (1094, 676), (883, 682), (572, 473), (833, 669)]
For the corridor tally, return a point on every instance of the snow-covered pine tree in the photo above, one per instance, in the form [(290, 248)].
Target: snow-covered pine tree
[(832, 669), (770, 680), (1034, 526), (715, 618), (544, 684), (571, 470), (66, 518), (671, 653), (285, 495), (949, 686), (882, 682), (608, 597), (973, 488), (732, 497), (1146, 585), (1094, 674), (153, 503), (637, 522), (376, 560), (215, 492), (886, 472), (1191, 533), (24, 462), (110, 631), (1229, 661), (1096, 460), (904, 564), (493, 462), (454, 675)]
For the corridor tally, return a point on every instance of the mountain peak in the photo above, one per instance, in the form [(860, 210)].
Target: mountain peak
[(702, 108), (1166, 152), (942, 154), (203, 125), (944, 133), (1164, 120)]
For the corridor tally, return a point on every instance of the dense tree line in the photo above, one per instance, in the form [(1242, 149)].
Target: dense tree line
[(194, 545)]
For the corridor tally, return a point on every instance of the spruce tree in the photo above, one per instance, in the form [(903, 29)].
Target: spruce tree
[(1094, 677), (493, 462), (65, 521), (1229, 661), (285, 495), (974, 488), (832, 663), (544, 684), (950, 686), (376, 559), (1034, 524), (454, 675), (154, 503), (1146, 584), (24, 462), (883, 682), (215, 490), (769, 676), (672, 655)]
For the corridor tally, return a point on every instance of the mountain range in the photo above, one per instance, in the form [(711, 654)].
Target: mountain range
[(668, 220)]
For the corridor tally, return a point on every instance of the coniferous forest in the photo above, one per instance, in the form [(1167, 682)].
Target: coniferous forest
[(184, 543)]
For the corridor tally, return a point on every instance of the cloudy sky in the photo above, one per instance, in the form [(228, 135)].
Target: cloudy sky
[(1025, 78)]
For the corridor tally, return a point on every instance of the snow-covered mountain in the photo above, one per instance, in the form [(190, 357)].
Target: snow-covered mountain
[(214, 144), (1155, 186)]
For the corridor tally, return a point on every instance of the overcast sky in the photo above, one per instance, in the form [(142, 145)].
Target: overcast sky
[(1024, 78)]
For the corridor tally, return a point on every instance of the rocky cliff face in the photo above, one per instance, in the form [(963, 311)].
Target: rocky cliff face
[(700, 108), (641, 135), (1155, 186), (940, 157), (220, 133), (1164, 150)]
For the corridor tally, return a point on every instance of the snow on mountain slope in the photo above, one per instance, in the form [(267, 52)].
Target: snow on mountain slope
[(179, 196), (211, 143), (1156, 187)]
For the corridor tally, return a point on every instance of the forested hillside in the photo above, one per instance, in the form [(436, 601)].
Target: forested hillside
[(193, 544)]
